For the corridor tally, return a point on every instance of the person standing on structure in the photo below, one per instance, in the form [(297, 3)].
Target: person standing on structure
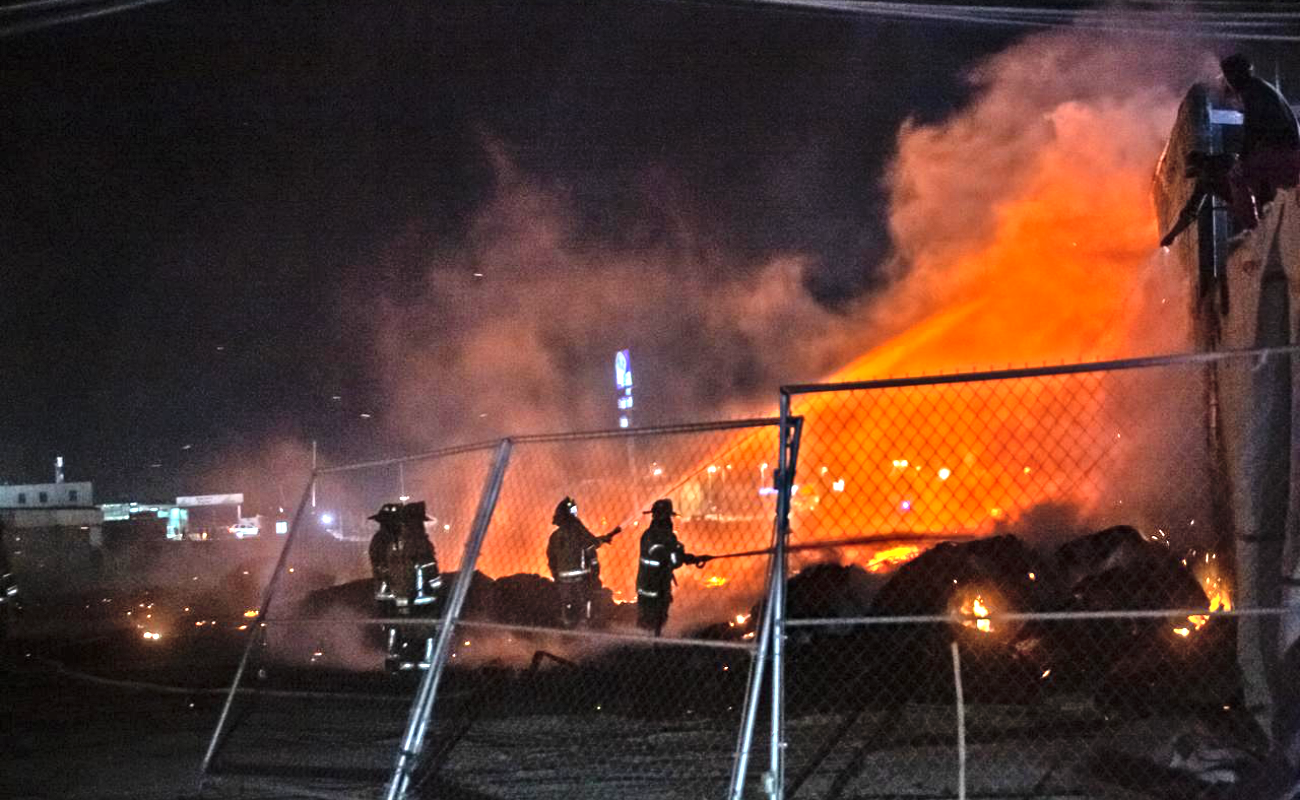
[(1270, 141), (571, 556), (661, 553)]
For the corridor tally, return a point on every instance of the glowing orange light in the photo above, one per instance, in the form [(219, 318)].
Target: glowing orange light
[(976, 606), (883, 560)]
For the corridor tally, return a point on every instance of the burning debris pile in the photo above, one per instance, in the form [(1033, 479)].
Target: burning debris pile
[(1124, 662), (1129, 663)]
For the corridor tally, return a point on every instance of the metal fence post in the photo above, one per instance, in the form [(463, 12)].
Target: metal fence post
[(257, 625), (959, 697), (791, 429), (422, 708), (753, 690)]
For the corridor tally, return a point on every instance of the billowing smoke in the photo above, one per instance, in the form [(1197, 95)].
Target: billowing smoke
[(1024, 225), (529, 345), (1023, 232)]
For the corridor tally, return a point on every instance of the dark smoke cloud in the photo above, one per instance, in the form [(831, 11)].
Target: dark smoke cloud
[(529, 345)]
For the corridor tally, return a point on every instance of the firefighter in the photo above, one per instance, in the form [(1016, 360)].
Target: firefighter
[(661, 553), (389, 519), (571, 556), (407, 581), (1270, 146)]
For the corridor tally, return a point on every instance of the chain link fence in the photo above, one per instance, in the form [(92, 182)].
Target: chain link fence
[(1011, 584), (562, 688), (1000, 585), (324, 693), (545, 685)]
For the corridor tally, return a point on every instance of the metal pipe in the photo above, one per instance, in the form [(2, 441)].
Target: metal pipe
[(422, 708), (753, 690), (1038, 616), (790, 431), (1043, 372), (544, 438), (267, 594), (961, 722)]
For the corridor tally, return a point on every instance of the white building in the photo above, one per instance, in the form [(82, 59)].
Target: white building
[(52, 506), (48, 495)]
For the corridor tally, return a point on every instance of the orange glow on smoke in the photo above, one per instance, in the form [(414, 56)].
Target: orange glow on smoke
[(1028, 235), (1060, 275)]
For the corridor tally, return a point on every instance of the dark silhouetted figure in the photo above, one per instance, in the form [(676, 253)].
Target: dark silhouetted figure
[(407, 582), (661, 553), (571, 556), (1270, 147), (1216, 175)]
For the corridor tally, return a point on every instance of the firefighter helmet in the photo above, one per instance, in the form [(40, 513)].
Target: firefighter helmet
[(565, 510), (662, 509), (388, 512), (1237, 70)]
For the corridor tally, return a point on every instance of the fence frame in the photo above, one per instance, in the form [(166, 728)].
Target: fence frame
[(421, 713), (258, 626), (775, 789), (422, 707)]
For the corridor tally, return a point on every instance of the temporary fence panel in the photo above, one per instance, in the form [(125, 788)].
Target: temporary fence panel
[(925, 511), (553, 689), (319, 701)]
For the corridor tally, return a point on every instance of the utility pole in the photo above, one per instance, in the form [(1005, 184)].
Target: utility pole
[(313, 471)]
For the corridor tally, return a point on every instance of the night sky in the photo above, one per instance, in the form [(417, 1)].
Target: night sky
[(202, 200)]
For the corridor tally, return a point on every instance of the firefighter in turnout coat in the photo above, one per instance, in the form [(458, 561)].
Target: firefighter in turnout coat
[(661, 553), (407, 581), (571, 556)]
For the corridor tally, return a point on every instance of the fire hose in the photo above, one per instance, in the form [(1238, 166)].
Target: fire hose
[(831, 544)]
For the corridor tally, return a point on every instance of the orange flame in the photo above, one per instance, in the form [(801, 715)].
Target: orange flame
[(884, 560), (976, 607)]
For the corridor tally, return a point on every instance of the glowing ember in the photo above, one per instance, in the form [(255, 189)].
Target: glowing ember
[(1215, 589), (976, 607), (715, 581), (891, 557), (252, 612), (152, 635)]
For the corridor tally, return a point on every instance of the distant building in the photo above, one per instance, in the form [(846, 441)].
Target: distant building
[(52, 515), (48, 495), (125, 522)]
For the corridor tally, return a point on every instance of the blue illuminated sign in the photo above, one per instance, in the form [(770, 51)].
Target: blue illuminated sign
[(622, 370)]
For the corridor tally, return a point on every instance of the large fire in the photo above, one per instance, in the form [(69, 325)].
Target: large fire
[(1024, 232)]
